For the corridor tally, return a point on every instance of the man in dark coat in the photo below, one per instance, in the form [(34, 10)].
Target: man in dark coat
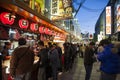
[(54, 61), (60, 56), (43, 61), (89, 59)]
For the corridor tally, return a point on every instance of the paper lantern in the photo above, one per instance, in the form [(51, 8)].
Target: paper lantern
[(50, 32), (23, 23), (7, 18), (46, 30), (34, 27), (41, 29)]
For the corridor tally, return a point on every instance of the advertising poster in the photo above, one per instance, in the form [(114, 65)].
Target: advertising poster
[(118, 18), (61, 9), (108, 20)]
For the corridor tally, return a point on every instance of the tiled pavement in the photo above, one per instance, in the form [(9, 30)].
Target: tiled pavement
[(78, 72)]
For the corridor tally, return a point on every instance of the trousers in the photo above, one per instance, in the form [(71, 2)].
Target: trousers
[(22, 76)]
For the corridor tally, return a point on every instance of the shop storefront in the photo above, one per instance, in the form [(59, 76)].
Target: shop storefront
[(22, 21)]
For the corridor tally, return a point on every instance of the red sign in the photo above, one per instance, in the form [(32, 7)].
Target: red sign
[(46, 30), (41, 29), (34, 27), (50, 32), (7, 18), (23, 23)]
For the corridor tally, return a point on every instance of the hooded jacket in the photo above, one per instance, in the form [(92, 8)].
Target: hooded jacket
[(110, 59)]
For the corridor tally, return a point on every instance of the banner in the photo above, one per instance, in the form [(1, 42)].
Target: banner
[(108, 20), (118, 18)]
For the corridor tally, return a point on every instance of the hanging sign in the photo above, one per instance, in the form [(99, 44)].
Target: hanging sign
[(34, 27), (7, 18), (108, 20), (46, 30), (50, 32), (41, 29), (23, 23)]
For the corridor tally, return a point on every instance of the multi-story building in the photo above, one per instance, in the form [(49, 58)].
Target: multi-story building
[(108, 22)]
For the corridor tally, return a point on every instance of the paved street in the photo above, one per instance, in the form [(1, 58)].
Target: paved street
[(78, 72)]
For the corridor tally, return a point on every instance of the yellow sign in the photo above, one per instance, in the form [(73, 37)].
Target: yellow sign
[(62, 10), (108, 20)]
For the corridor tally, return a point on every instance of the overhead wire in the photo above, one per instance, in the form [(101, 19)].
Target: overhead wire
[(84, 7), (92, 10), (80, 4)]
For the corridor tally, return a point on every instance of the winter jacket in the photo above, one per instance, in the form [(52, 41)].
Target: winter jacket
[(110, 61), (89, 56), (54, 58), (21, 61), (43, 54)]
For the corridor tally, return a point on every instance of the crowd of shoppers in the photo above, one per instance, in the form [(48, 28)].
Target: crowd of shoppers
[(52, 60), (70, 53)]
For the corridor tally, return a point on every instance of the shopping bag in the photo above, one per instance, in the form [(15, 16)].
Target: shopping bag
[(9, 77)]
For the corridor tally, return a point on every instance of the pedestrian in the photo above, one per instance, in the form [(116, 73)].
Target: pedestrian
[(21, 62), (89, 60), (58, 48), (110, 60), (5, 51), (43, 61), (81, 51), (54, 61), (66, 56)]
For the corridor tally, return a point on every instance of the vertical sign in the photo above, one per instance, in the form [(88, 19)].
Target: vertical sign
[(90, 36), (108, 20), (118, 18), (61, 9), (54, 7)]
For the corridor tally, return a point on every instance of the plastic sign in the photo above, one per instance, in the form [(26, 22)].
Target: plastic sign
[(7, 18), (23, 23)]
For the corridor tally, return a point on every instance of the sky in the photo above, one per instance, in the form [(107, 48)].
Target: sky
[(89, 13)]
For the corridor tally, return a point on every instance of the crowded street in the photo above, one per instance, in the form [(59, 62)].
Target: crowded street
[(59, 39), (78, 72)]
